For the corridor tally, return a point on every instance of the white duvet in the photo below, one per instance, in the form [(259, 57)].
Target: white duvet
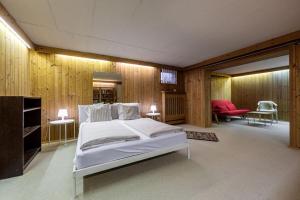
[(102, 133), (152, 128)]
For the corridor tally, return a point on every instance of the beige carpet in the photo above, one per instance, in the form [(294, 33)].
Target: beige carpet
[(249, 163)]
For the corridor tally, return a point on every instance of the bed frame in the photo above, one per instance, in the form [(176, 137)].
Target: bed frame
[(78, 174)]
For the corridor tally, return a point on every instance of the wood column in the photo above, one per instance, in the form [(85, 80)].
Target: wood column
[(295, 96), (197, 88)]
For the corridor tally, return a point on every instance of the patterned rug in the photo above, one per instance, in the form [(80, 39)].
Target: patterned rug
[(195, 135)]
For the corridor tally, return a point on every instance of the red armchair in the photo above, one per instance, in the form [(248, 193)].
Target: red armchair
[(226, 108)]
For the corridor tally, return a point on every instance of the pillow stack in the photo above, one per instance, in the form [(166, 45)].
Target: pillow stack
[(106, 112)]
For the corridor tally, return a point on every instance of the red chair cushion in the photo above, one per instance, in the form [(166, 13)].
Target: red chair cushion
[(225, 107), (219, 105), (231, 106), (221, 108)]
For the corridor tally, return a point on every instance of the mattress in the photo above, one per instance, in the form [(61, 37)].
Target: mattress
[(116, 151)]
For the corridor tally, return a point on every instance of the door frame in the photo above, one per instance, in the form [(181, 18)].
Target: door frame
[(294, 68)]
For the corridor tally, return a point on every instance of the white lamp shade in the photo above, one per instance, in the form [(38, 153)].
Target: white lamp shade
[(153, 108), (62, 113)]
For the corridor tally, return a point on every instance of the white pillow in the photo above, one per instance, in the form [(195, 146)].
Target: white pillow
[(83, 112), (99, 113), (128, 111), (114, 110)]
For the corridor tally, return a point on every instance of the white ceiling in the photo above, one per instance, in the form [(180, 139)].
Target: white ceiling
[(173, 32), (281, 61)]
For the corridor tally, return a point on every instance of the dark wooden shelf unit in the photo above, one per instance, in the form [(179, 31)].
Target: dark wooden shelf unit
[(20, 133), (30, 129)]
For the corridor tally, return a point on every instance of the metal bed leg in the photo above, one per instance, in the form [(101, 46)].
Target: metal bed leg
[(78, 185), (188, 152)]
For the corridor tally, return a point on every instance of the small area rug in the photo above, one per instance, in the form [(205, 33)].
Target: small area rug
[(195, 135)]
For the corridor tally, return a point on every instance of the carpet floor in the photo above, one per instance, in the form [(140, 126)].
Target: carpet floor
[(249, 162)]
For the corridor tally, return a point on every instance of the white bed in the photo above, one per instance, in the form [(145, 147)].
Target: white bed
[(113, 155), (112, 152)]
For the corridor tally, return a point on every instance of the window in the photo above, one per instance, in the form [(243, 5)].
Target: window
[(168, 76)]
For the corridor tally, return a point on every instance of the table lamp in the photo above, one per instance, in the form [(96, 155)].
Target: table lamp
[(153, 108), (62, 113)]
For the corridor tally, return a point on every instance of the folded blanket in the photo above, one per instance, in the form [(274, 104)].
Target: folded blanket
[(152, 128), (97, 134)]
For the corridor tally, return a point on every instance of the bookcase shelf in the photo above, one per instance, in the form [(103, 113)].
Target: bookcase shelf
[(30, 129), (29, 155), (20, 133), (32, 109)]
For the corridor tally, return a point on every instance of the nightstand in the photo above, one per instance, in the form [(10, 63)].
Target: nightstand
[(155, 116), (60, 123)]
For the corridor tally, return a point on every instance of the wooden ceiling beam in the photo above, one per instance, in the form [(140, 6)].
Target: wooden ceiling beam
[(220, 74), (261, 71), (256, 49), (255, 57)]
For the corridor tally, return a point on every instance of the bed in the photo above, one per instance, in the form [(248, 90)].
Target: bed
[(119, 153)]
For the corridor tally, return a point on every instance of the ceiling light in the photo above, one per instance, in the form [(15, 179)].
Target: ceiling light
[(134, 65), (14, 32), (83, 58)]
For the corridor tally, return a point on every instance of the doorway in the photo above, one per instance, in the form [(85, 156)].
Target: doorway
[(245, 85)]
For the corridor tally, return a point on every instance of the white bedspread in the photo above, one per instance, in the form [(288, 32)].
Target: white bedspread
[(106, 132), (152, 128)]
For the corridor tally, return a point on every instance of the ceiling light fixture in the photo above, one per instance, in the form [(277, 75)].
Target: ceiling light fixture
[(83, 58), (14, 32), (134, 65)]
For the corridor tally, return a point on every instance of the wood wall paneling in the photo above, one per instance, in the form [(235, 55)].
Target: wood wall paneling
[(295, 96), (66, 81), (14, 70), (248, 90), (197, 89), (62, 82), (220, 87), (140, 84)]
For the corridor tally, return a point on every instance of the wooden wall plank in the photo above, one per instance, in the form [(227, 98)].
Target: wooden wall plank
[(62, 82), (197, 89), (295, 96), (13, 65), (220, 87), (139, 85)]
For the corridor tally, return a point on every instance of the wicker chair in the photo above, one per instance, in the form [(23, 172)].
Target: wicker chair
[(268, 106)]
